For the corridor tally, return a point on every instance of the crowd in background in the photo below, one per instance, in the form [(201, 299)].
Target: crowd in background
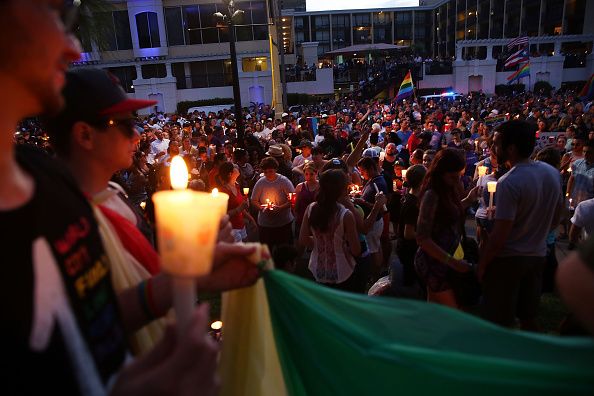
[(276, 171)]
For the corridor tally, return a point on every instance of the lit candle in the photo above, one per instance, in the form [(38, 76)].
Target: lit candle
[(246, 191), (187, 229), (491, 188), (482, 171), (222, 200), (569, 169), (292, 197), (404, 174), (382, 156), (143, 205)]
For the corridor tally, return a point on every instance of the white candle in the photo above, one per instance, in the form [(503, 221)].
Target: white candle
[(143, 205), (377, 191), (187, 228), (221, 199), (246, 191), (491, 188), (404, 174), (482, 171)]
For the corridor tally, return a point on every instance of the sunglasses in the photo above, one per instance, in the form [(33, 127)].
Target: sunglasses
[(127, 125)]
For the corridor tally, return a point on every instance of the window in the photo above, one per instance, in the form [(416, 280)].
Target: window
[(179, 72), (173, 25), (156, 70), (254, 64), (126, 75), (198, 76), (191, 15), (122, 30), (148, 30), (213, 73)]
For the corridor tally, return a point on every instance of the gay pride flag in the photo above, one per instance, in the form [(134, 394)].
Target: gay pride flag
[(523, 71), (587, 92), (406, 88), (287, 336)]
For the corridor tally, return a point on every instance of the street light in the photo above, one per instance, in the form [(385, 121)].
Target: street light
[(228, 19)]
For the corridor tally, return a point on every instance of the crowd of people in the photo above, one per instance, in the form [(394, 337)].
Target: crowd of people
[(338, 193), (413, 171)]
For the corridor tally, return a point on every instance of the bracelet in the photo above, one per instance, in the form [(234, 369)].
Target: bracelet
[(142, 298)]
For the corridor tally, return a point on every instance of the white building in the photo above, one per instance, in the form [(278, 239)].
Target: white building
[(173, 51)]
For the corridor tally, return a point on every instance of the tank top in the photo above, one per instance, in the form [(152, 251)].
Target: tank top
[(331, 260)]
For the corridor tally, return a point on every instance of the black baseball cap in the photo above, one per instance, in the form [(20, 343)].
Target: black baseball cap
[(92, 94)]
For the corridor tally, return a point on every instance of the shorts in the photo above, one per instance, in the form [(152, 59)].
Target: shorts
[(374, 235), (239, 234), (511, 288)]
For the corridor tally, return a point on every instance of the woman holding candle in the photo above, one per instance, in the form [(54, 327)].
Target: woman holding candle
[(439, 228), (238, 205), (275, 218), (330, 230)]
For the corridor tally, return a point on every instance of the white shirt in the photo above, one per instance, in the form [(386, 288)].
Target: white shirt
[(300, 160), (266, 134), (156, 147), (584, 216)]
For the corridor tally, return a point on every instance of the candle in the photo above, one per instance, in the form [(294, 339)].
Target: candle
[(382, 156), (143, 205), (404, 174), (221, 199), (246, 191), (292, 197), (569, 169), (482, 171), (377, 192), (187, 229), (268, 205), (491, 188)]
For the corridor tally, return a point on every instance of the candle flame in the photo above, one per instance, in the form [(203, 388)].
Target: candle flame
[(178, 173), (216, 325), (215, 192)]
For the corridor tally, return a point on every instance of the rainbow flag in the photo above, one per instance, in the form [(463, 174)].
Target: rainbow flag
[(587, 92), (523, 71), (406, 88), (287, 336)]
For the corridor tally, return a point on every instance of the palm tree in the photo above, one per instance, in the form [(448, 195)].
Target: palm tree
[(93, 23)]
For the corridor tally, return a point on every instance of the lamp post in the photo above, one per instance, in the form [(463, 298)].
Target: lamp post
[(227, 21)]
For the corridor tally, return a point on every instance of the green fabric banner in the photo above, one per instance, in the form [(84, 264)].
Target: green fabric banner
[(335, 343)]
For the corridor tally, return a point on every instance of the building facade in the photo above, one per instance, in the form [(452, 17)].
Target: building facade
[(173, 50)]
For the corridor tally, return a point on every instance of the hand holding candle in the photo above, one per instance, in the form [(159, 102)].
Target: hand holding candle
[(268, 205)]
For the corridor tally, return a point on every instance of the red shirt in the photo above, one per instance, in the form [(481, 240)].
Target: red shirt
[(234, 202)]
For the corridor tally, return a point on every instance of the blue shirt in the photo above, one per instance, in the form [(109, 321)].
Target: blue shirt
[(404, 135)]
